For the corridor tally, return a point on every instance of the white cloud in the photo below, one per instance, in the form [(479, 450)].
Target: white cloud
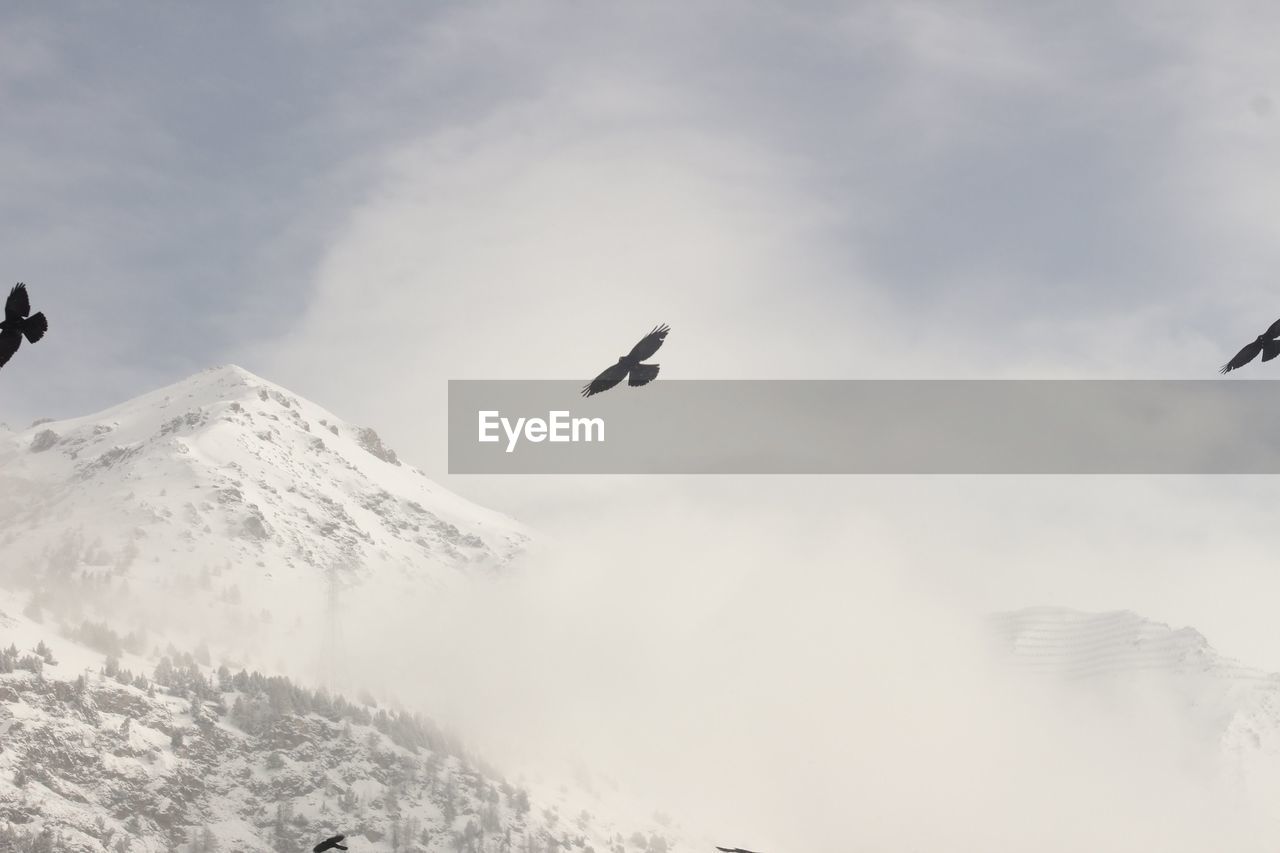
[(804, 671), (545, 239)]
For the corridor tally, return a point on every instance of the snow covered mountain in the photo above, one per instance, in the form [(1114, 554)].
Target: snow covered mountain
[(228, 518), (1118, 645), (250, 506), (113, 752), (1223, 715)]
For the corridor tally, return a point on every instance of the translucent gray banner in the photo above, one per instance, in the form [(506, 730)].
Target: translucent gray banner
[(867, 427)]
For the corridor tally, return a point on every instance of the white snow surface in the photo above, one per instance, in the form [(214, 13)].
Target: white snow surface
[(228, 493)]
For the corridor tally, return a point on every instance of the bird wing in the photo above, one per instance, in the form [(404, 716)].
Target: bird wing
[(1274, 331), (732, 849), (642, 374), (10, 340), (18, 305), (35, 327), (1270, 349), (1246, 355), (605, 380), (649, 343)]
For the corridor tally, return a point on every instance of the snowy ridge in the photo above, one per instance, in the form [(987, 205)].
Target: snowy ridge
[(1228, 713), (278, 472), (227, 490), (1075, 644)]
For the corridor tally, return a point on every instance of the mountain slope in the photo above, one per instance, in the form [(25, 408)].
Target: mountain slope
[(226, 515), (224, 490), (186, 759), (1225, 716)]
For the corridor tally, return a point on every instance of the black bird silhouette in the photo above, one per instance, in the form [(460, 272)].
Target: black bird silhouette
[(641, 374), (16, 323), (1265, 343), (331, 843), (732, 849)]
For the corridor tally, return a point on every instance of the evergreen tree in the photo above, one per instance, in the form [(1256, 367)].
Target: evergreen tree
[(45, 653)]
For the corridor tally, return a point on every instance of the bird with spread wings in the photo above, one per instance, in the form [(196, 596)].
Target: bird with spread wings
[(333, 842), (640, 374), (17, 324), (1265, 343)]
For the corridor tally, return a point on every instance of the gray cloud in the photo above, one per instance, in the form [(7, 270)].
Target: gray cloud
[(1028, 187)]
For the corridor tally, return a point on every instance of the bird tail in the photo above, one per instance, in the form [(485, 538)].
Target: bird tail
[(35, 326), (643, 374), (1270, 349)]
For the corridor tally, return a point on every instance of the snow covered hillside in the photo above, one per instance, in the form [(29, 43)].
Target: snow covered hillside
[(228, 518), (1118, 645), (1223, 715), (107, 752), (242, 503)]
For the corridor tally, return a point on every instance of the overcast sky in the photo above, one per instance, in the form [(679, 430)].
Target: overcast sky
[(362, 202), (349, 200)]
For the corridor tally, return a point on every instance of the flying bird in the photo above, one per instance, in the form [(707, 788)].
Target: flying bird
[(17, 324), (641, 374), (331, 843), (732, 849), (1265, 343)]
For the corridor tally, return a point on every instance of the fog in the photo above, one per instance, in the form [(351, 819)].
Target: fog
[(776, 662), (792, 667)]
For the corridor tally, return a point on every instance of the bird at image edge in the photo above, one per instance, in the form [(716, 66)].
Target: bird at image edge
[(17, 324), (1265, 343)]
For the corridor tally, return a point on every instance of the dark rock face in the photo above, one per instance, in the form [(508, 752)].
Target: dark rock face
[(255, 527), (43, 440), (372, 442)]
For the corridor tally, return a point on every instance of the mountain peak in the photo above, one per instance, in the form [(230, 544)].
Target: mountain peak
[(224, 375), (227, 470), (223, 383)]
